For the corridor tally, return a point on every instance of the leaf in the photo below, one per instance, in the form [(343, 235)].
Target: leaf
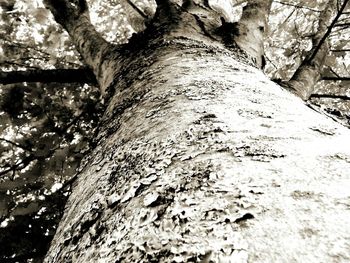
[(41, 15), (339, 54), (331, 61), (25, 209), (288, 52), (341, 44)]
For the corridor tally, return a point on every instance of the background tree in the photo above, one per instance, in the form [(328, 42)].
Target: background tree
[(46, 127)]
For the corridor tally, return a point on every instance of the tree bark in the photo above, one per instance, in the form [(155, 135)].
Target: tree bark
[(200, 157)]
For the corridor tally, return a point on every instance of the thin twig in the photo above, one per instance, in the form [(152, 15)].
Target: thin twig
[(138, 10), (239, 3), (297, 6), (336, 78), (331, 96), (16, 144), (80, 75), (340, 50)]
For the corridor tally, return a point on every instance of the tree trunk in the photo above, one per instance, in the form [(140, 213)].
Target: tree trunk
[(201, 157)]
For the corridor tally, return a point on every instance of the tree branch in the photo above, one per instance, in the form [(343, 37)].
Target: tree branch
[(341, 25), (332, 96), (100, 55), (16, 144), (137, 9), (308, 73), (325, 36), (336, 78), (340, 50), (335, 73), (239, 3), (66, 13), (81, 75), (252, 28), (164, 8), (297, 6), (19, 166)]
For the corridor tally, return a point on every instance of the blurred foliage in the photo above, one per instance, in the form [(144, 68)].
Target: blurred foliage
[(292, 25), (46, 129)]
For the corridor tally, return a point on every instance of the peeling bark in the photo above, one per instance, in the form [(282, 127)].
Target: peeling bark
[(201, 158)]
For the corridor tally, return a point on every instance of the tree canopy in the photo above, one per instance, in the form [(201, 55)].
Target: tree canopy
[(50, 102)]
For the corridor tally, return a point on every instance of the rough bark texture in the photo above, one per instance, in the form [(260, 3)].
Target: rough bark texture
[(201, 158)]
